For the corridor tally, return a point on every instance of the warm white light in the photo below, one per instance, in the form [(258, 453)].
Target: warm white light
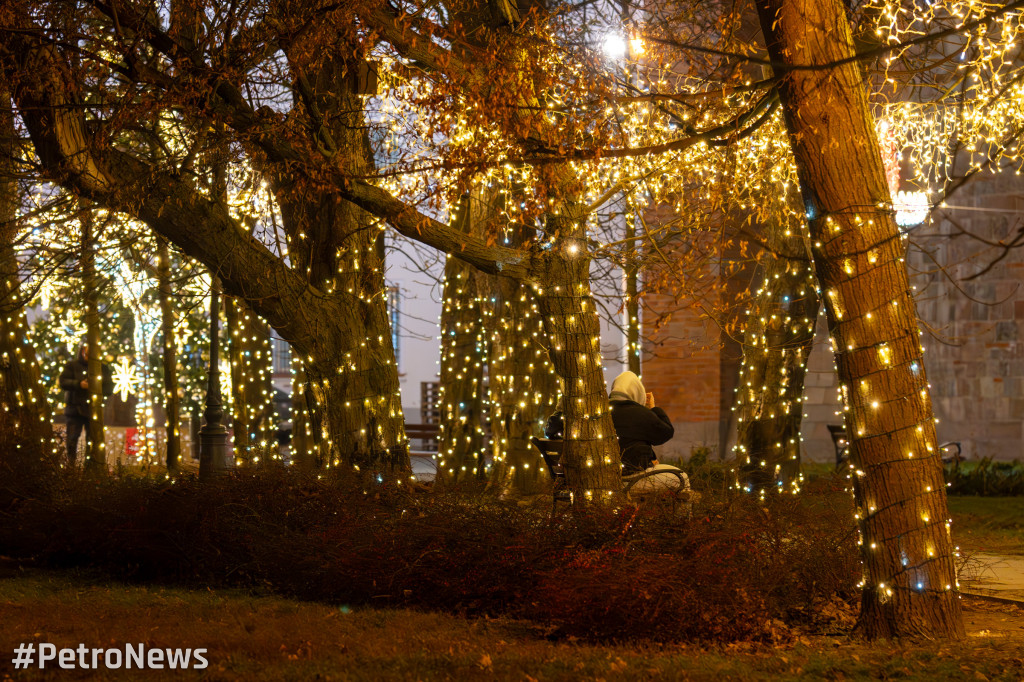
[(614, 46), (911, 208)]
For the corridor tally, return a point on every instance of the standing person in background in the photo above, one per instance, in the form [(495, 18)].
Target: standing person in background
[(638, 423), (77, 400)]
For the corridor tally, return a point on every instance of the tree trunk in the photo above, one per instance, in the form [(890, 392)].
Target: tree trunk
[(352, 377), (909, 573), (251, 386), (460, 440), (96, 456), (237, 398), (370, 439), (778, 340), (26, 426), (631, 275), (591, 452), (302, 447), (172, 402), (522, 386)]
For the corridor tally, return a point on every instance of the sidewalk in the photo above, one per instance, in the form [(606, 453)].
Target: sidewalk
[(992, 575)]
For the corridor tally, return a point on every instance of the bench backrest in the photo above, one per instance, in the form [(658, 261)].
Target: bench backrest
[(426, 434), (839, 441), (422, 430)]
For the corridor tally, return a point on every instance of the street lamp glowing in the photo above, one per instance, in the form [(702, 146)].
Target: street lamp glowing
[(618, 48), (615, 46)]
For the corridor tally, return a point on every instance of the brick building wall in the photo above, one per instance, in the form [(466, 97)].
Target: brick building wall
[(681, 366), (973, 336), (974, 328)]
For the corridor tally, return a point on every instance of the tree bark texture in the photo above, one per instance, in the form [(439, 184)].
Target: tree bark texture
[(778, 339), (26, 426), (909, 573), (169, 356), (591, 452)]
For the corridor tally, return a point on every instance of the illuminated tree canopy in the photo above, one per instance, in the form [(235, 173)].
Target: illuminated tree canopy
[(276, 143)]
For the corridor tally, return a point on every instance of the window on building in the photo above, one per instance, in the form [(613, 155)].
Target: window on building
[(282, 354), (394, 306)]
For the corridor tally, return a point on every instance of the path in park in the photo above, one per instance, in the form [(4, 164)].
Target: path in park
[(993, 575)]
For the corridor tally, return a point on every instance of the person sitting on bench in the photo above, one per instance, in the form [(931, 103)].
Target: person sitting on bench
[(638, 423)]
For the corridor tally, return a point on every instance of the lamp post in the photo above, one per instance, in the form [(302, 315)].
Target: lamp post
[(213, 437)]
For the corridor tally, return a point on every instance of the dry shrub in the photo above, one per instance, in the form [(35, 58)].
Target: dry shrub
[(985, 477), (725, 575), (602, 574)]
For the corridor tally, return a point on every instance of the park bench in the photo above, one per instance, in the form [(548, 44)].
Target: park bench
[(426, 435), (842, 446), (424, 466), (634, 486)]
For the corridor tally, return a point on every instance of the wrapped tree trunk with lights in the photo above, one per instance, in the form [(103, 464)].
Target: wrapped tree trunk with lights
[(251, 386), (631, 277), (461, 400), (96, 455), (460, 440), (329, 303), (172, 402), (777, 342), (492, 321), (558, 271), (909, 572), (522, 386), (340, 246), (302, 445), (591, 453), (26, 427), (351, 375)]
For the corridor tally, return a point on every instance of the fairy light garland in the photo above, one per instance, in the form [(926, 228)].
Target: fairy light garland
[(250, 388), (461, 398)]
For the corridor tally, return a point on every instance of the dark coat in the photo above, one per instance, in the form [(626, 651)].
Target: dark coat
[(76, 398), (555, 426), (638, 428)]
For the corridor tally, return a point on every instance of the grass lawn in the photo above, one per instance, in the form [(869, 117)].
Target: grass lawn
[(993, 525), (267, 638)]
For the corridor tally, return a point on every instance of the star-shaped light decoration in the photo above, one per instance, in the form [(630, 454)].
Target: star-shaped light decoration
[(126, 378), (71, 332)]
